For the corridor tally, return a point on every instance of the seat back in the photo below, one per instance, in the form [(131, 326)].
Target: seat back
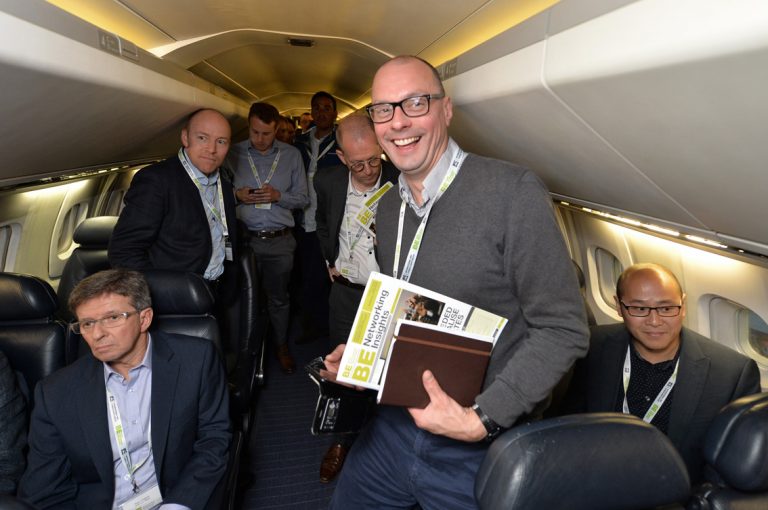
[(183, 304), (88, 258), (582, 462), (33, 340), (736, 453)]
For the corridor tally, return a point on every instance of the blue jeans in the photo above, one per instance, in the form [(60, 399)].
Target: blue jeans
[(396, 465)]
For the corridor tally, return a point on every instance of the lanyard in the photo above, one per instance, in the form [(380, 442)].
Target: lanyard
[(660, 398), (222, 218), (256, 171), (117, 429), (410, 260), (315, 159), (367, 211)]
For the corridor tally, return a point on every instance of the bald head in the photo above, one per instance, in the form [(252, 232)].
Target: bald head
[(404, 60), (359, 150), (205, 138), (354, 129), (647, 270)]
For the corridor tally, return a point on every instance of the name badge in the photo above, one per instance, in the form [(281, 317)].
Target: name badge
[(228, 251), (348, 271), (146, 500), (262, 206)]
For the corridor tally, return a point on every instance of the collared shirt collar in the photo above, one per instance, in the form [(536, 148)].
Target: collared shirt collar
[(205, 180), (431, 182), (270, 151), (351, 190), (145, 362)]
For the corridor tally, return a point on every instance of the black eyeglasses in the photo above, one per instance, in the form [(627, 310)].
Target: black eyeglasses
[(415, 106), (645, 311), (359, 166), (110, 321)]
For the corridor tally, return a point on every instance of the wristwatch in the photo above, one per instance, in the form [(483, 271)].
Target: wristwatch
[(491, 427)]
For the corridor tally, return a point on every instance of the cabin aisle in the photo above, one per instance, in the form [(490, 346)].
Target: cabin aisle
[(284, 458)]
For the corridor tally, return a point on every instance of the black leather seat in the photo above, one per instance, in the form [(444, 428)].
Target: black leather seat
[(31, 337), (736, 452), (88, 258), (594, 461), (184, 304)]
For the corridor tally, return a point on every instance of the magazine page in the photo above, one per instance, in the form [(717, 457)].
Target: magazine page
[(385, 300)]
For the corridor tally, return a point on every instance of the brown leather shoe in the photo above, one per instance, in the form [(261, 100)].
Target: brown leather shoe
[(332, 462), (287, 365)]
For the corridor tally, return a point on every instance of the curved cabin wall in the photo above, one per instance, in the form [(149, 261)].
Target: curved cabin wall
[(82, 106), (653, 108)]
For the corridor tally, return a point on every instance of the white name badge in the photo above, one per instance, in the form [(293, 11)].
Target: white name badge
[(262, 206), (147, 500), (348, 271), (228, 251)]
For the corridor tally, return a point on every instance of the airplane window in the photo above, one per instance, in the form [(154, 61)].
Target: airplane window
[(74, 216), (115, 204), (739, 327), (756, 332), (5, 244), (609, 269), (9, 244)]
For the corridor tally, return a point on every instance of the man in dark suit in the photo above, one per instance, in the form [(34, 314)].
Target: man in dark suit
[(140, 422), (345, 194), (652, 359), (318, 150), (179, 214)]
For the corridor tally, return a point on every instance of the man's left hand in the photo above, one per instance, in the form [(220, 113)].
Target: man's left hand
[(444, 416)]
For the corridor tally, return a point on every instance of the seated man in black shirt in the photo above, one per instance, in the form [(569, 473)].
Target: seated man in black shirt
[(654, 368)]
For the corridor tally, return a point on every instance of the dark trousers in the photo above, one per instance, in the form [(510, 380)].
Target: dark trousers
[(274, 261), (343, 303), (315, 282), (395, 465)]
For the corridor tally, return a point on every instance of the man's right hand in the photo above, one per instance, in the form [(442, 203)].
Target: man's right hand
[(333, 273), (333, 360)]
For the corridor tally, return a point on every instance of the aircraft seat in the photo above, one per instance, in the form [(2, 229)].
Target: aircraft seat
[(582, 462), (32, 339), (736, 452), (90, 257), (184, 304)]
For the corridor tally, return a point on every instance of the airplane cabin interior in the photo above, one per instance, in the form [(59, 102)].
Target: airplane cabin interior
[(644, 118)]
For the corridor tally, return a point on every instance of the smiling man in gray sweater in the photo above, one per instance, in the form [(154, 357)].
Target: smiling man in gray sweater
[(489, 239)]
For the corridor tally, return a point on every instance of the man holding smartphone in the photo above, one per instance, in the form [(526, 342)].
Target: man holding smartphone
[(270, 181)]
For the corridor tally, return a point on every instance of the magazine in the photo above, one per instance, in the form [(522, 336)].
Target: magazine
[(385, 301)]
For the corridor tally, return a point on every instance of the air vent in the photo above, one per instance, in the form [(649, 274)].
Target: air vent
[(304, 43)]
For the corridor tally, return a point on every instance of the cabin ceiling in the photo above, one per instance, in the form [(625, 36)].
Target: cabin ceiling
[(243, 46)]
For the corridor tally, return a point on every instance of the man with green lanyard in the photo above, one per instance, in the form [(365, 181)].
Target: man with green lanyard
[(270, 182), (139, 423), (179, 213), (347, 198), (481, 231), (653, 367)]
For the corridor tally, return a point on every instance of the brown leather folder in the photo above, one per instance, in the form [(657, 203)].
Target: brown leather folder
[(458, 363)]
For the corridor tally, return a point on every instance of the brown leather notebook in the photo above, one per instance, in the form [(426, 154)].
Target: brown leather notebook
[(458, 362)]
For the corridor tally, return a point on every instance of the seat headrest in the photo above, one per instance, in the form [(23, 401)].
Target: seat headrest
[(95, 232), (736, 445), (25, 297), (179, 293), (585, 461)]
